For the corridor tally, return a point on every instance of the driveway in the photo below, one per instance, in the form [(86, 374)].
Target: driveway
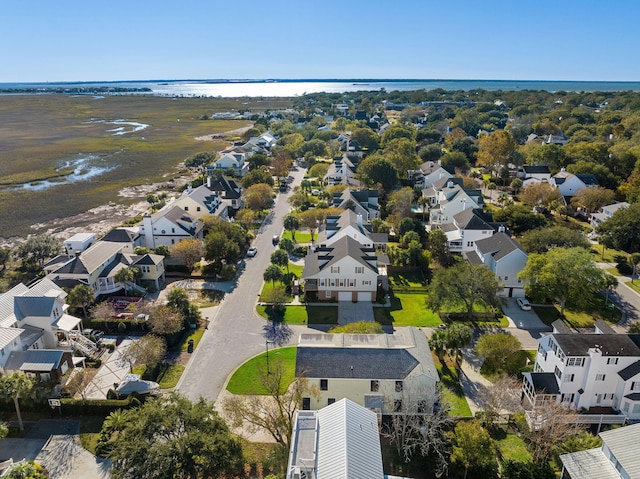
[(56, 444), (109, 373), (524, 325), (350, 312)]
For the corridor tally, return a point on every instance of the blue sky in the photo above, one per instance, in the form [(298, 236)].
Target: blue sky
[(72, 40)]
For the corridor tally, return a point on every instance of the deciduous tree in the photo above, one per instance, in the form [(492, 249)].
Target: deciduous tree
[(542, 240), (148, 350), (291, 223), (164, 320), (497, 349), (501, 397), (496, 150), (622, 230), (258, 196), (377, 169), (567, 275), (188, 251), (173, 437), (463, 285), (14, 387), (474, 450), (38, 248), (592, 199)]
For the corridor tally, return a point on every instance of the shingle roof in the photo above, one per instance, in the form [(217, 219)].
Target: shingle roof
[(346, 246), (544, 382), (609, 344), (498, 245), (469, 219), (358, 363), (91, 259), (533, 169), (120, 235), (630, 371), (587, 178)]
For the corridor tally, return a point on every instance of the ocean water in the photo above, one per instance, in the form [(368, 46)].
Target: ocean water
[(289, 88)]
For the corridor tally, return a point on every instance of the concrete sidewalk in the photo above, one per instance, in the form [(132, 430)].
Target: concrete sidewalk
[(470, 378), (109, 373)]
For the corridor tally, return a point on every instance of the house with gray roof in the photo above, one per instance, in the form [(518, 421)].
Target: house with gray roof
[(43, 364), (363, 202), (569, 184), (504, 257), (616, 458), (343, 271), (168, 226), (382, 372), (343, 172), (606, 212), (227, 189), (593, 372), (200, 202), (466, 228), (339, 441), (349, 223)]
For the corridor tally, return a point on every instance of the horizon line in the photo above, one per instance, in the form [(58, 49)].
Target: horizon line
[(301, 80)]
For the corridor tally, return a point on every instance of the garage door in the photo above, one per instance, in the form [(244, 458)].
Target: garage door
[(344, 296), (364, 296)]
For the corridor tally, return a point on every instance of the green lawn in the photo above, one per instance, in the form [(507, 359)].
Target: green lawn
[(585, 318), (302, 237), (268, 287), (407, 309), (634, 286), (295, 269), (609, 255), (407, 281), (512, 448), (90, 427), (247, 378), (452, 393), (301, 314), (170, 376), (196, 335)]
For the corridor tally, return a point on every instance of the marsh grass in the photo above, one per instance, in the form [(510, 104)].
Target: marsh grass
[(40, 132)]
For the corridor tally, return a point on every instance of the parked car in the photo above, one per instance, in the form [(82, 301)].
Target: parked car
[(524, 304), (275, 240), (251, 252)]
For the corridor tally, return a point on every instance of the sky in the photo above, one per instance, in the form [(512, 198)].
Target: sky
[(95, 40)]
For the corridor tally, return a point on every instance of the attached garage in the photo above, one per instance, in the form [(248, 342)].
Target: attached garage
[(345, 296), (364, 296)]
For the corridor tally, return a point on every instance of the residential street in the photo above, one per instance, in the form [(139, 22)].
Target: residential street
[(235, 331)]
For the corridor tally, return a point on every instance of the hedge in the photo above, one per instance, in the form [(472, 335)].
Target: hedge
[(96, 407)]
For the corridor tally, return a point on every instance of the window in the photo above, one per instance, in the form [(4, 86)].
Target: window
[(186, 208), (422, 406), (636, 408), (625, 407), (612, 360), (306, 404), (173, 230), (335, 269), (600, 377), (506, 278), (568, 378), (557, 372), (397, 405), (469, 244), (375, 385), (635, 386), (575, 362), (324, 384), (399, 386), (327, 294), (366, 283), (598, 398), (331, 401), (359, 269), (198, 208)]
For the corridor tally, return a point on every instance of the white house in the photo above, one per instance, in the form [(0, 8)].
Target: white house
[(350, 224), (450, 198), (342, 172), (583, 371), (200, 202), (343, 271), (168, 226), (363, 202), (466, 228), (78, 243), (382, 372), (231, 160), (227, 189), (505, 258), (339, 441), (617, 458), (430, 172), (533, 174), (607, 212), (569, 184)]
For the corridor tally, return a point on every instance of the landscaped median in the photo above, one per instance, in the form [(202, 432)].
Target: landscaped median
[(247, 379)]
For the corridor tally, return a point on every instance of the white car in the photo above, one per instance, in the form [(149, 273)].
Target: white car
[(524, 304), (251, 252)]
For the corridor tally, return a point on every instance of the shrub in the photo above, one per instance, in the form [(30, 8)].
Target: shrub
[(624, 268), (121, 327)]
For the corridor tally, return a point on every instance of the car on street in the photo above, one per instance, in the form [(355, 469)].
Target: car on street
[(251, 252), (524, 304), (275, 240)]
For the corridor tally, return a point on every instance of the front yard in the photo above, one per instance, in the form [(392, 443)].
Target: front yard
[(407, 309), (247, 379), (301, 314)]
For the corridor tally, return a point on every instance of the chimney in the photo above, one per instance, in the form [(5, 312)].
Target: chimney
[(208, 182), (501, 229), (449, 184), (359, 221)]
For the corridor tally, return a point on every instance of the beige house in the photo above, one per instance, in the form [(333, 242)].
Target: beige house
[(343, 271), (382, 372)]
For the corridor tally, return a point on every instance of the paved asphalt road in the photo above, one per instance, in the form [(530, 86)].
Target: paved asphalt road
[(235, 331)]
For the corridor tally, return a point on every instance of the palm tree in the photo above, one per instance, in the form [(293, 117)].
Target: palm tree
[(273, 274), (82, 296)]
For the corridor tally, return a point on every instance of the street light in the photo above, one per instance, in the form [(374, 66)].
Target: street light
[(267, 343)]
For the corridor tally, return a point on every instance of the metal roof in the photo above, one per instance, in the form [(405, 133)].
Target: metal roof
[(8, 336), (623, 444), (43, 360), (589, 464)]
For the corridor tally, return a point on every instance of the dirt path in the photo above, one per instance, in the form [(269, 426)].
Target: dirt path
[(224, 134)]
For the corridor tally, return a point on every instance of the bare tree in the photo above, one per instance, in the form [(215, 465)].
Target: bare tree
[(419, 426), (502, 397), (272, 413), (148, 350), (550, 424)]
